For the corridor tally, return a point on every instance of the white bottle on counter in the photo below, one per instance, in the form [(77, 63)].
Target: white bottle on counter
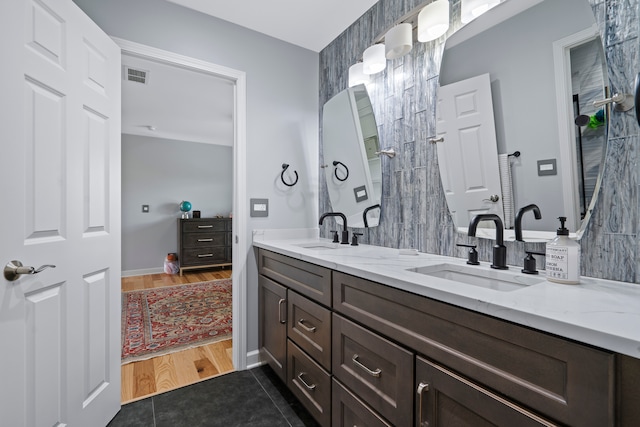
[(562, 260)]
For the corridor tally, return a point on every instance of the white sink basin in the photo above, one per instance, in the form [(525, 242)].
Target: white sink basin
[(318, 245), (498, 280)]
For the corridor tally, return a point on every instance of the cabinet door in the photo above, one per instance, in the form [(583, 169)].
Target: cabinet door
[(444, 399), (272, 313)]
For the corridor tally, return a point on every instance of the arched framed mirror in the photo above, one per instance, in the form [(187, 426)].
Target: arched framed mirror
[(544, 72)]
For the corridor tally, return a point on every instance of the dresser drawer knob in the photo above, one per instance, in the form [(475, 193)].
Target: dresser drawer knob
[(307, 385), (301, 322), (374, 373)]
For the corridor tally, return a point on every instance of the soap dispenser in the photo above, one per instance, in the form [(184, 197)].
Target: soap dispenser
[(562, 259)]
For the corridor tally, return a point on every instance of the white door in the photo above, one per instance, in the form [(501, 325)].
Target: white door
[(468, 156), (60, 175)]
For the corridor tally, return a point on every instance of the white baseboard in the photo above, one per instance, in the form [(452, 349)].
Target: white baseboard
[(253, 359), (131, 273)]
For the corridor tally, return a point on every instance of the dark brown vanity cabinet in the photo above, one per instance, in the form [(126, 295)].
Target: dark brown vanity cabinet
[(295, 328), (204, 242), (406, 360)]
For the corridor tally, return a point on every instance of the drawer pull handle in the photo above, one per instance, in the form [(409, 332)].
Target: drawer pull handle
[(422, 387), (307, 385), (305, 327), (205, 255), (205, 226), (375, 373), (280, 318), (205, 240)]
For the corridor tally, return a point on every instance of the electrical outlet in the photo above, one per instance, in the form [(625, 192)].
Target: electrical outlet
[(145, 208)]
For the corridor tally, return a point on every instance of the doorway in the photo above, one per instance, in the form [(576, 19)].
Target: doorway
[(239, 221)]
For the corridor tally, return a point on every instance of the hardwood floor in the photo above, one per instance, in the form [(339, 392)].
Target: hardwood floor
[(164, 373)]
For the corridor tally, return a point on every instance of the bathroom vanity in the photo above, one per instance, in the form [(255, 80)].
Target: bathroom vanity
[(369, 336)]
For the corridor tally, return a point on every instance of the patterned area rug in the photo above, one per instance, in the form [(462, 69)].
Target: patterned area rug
[(164, 320)]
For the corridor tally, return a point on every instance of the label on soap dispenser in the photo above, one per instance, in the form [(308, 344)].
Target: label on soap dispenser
[(558, 264)]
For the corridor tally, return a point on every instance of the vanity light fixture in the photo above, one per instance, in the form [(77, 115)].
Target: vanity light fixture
[(398, 40), (471, 9), (357, 75), (373, 59), (433, 20)]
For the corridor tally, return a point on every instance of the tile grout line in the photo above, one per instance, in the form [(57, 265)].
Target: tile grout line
[(153, 411), (271, 398)]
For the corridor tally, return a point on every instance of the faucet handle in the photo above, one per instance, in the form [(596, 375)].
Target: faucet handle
[(530, 262), (472, 256), (335, 236), (354, 239)]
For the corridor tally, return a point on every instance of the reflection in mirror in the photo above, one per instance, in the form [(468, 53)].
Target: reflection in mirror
[(352, 165), (545, 71)]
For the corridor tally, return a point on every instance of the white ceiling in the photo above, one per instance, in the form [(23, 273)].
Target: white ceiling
[(311, 24), (191, 106), (180, 104)]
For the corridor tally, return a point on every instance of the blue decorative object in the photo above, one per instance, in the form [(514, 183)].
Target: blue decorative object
[(185, 207)]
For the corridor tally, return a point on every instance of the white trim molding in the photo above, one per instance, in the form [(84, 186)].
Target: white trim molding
[(241, 245)]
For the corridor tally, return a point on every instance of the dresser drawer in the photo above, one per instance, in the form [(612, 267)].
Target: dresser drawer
[(310, 383), (206, 255), (347, 410), (195, 240), (309, 326), (203, 225), (377, 370), (307, 279), (569, 382)]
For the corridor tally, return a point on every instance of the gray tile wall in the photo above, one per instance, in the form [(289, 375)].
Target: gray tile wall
[(415, 213)]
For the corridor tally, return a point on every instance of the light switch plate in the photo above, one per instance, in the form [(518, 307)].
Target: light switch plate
[(259, 207), (145, 208), (547, 167)]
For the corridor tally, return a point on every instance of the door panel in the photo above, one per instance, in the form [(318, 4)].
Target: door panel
[(468, 156), (60, 121)]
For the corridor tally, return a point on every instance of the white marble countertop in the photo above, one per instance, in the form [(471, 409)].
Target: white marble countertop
[(602, 313)]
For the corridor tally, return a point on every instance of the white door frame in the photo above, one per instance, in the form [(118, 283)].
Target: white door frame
[(566, 126), (239, 221)]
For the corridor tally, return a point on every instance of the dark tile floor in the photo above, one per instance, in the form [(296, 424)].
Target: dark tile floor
[(255, 397)]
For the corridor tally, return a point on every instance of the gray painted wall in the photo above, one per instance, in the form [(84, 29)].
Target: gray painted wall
[(282, 106), (161, 173), (414, 212)]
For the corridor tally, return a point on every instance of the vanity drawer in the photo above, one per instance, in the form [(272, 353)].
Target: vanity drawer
[(310, 383), (377, 370), (347, 410), (309, 326), (566, 381), (307, 279)]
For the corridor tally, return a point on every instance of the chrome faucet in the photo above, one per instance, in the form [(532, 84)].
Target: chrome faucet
[(345, 232), (499, 249), (536, 213)]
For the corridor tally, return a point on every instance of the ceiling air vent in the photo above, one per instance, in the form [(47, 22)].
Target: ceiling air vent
[(136, 75)]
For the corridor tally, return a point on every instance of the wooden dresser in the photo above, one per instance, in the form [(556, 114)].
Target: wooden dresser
[(204, 242)]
